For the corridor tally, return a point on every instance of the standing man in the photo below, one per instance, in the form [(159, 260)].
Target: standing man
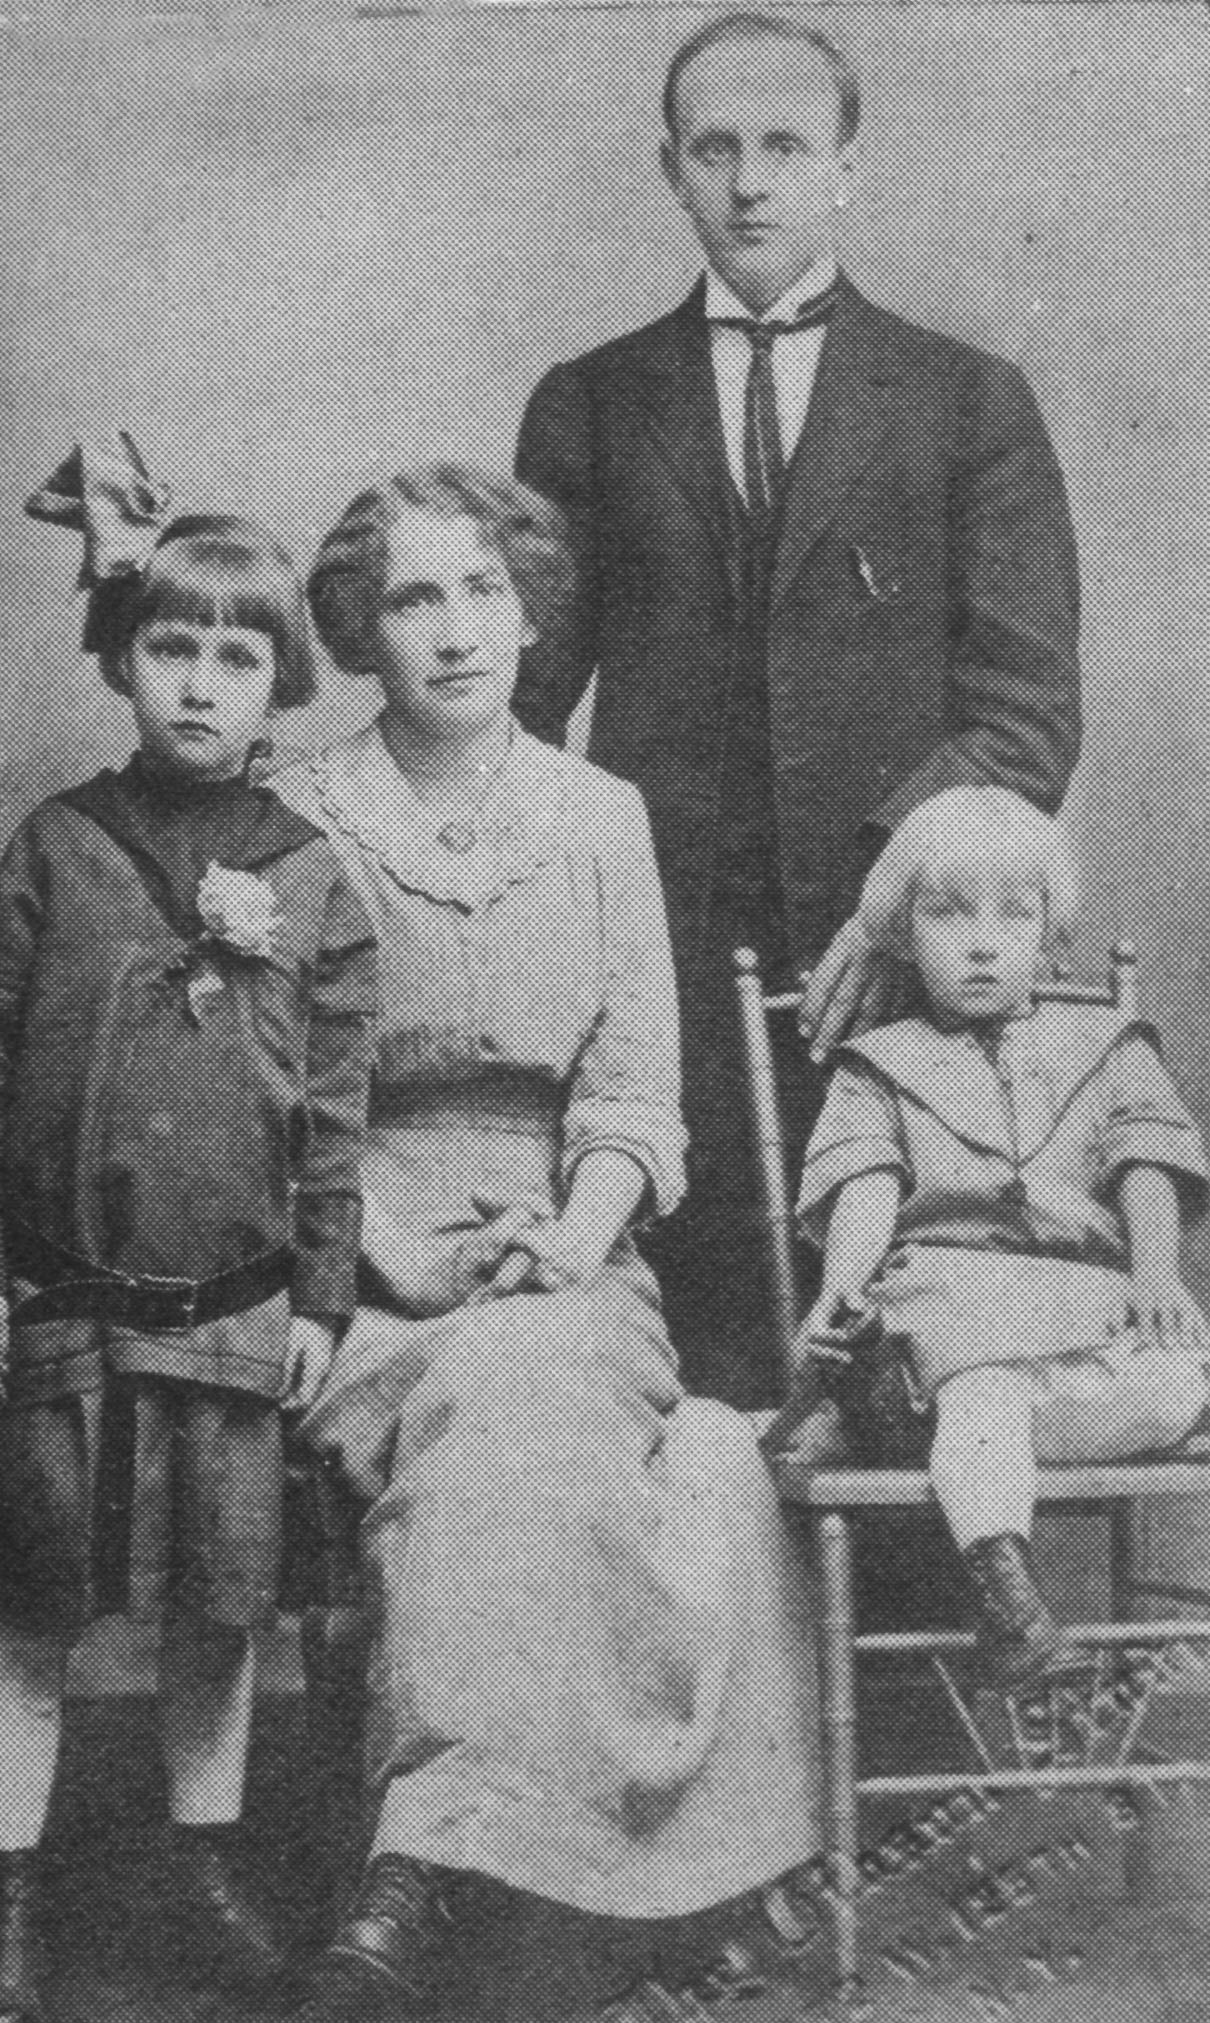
[(826, 570)]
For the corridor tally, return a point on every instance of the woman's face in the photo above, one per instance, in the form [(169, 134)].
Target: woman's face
[(450, 627)]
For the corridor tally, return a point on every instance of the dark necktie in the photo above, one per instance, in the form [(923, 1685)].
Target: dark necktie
[(764, 458)]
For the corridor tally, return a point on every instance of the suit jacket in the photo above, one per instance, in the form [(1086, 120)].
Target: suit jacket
[(923, 610)]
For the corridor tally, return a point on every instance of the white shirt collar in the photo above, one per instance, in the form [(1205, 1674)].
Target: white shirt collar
[(723, 302)]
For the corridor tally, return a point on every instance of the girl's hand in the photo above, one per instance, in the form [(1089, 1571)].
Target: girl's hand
[(1167, 1316), (309, 1355)]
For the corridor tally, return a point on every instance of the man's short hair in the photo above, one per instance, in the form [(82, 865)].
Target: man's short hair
[(765, 27)]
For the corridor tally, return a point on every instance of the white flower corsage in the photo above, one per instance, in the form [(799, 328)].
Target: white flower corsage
[(239, 911)]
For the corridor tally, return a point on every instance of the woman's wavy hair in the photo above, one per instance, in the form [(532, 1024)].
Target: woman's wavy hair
[(215, 569), (527, 532)]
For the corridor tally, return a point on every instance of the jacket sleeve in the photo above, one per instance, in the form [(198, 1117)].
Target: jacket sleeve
[(22, 907), (555, 456), (1014, 678), (327, 1214), (626, 1085)]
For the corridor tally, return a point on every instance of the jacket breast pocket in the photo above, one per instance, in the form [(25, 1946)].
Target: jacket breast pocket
[(877, 573)]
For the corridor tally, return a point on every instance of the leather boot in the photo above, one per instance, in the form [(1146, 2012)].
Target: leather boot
[(20, 1943), (1018, 1641), (386, 1956), (228, 1931)]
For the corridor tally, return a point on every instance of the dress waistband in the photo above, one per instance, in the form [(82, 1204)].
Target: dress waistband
[(70, 1287), (509, 1105)]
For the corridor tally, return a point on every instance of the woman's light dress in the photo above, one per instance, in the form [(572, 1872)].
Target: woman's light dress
[(593, 1674)]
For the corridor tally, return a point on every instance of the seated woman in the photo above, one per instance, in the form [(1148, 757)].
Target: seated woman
[(588, 1678)]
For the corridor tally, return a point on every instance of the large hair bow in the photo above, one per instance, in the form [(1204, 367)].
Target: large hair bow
[(106, 493)]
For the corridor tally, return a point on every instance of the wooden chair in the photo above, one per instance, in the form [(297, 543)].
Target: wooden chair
[(834, 1498)]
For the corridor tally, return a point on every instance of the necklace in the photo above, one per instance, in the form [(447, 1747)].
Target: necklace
[(456, 824)]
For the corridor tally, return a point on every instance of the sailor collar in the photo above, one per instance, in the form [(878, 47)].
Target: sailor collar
[(955, 1078)]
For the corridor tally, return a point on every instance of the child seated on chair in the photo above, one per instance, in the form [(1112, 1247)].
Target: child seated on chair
[(1002, 1185)]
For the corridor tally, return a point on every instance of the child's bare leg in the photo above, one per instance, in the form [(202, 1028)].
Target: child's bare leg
[(982, 1461), (32, 1671), (207, 1677), (984, 1472)]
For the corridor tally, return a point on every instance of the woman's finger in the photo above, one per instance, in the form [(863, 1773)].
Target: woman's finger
[(515, 1271)]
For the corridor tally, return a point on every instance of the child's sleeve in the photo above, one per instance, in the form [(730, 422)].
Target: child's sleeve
[(327, 1215), (1146, 1123), (859, 1131)]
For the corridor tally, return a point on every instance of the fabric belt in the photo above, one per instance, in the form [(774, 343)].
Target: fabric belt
[(69, 1287)]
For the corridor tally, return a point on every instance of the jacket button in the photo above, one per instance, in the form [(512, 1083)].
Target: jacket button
[(159, 1124)]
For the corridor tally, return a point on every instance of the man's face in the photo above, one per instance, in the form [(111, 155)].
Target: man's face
[(758, 164)]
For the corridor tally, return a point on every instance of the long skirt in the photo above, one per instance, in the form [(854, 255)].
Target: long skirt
[(593, 1674)]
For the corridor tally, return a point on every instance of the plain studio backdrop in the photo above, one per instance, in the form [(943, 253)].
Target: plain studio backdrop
[(287, 244)]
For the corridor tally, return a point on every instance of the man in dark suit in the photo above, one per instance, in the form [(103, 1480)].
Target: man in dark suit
[(826, 570)]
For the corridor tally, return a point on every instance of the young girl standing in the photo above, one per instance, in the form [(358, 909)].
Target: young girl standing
[(1003, 1186), (186, 985)]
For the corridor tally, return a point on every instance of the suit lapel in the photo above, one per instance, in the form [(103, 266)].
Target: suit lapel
[(673, 396), (846, 423)]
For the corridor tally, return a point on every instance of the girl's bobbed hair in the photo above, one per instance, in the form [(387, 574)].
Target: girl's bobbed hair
[(963, 826), (213, 569), (526, 531)]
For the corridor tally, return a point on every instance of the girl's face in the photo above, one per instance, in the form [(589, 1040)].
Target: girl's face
[(450, 628), (201, 694), (977, 937)]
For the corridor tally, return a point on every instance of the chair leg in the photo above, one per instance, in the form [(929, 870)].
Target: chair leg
[(838, 1726), (1139, 1853)]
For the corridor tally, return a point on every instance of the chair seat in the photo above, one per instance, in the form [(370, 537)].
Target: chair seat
[(871, 1488)]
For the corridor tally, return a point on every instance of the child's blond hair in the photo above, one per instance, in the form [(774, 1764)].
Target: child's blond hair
[(963, 826)]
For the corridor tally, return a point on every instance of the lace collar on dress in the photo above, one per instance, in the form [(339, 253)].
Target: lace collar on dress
[(366, 800)]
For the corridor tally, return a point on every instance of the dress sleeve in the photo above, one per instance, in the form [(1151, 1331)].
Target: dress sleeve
[(22, 907), (626, 1085), (327, 1221), (1145, 1123), (859, 1131)]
